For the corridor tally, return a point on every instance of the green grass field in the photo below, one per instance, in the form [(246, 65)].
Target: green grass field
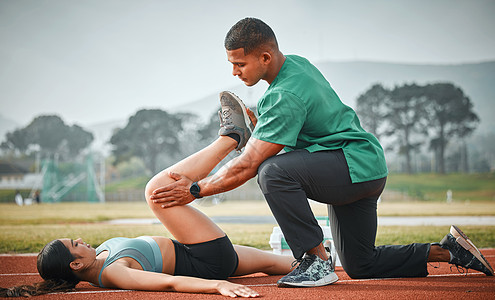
[(31, 238), (77, 213), (423, 187), (433, 187), (26, 229)]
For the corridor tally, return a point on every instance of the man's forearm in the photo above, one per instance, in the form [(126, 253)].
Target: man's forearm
[(240, 169), (230, 176)]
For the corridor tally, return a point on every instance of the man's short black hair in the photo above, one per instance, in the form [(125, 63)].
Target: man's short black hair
[(250, 34)]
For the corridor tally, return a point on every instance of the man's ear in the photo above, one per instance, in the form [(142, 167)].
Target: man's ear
[(266, 57), (76, 265)]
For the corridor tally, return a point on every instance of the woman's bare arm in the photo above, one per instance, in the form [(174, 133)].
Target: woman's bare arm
[(119, 276)]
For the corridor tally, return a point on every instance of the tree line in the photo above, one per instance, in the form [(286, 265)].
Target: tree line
[(406, 118), (414, 117), (155, 136)]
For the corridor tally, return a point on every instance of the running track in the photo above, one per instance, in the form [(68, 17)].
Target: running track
[(442, 283)]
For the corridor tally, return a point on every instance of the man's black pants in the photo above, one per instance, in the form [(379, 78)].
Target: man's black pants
[(288, 180)]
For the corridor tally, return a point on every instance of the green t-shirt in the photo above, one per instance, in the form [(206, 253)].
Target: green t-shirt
[(301, 111)]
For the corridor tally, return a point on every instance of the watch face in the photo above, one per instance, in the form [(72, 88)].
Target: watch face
[(195, 190)]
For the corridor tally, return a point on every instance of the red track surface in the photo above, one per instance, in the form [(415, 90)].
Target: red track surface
[(442, 283)]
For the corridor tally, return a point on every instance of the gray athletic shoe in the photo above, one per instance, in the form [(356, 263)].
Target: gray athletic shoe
[(234, 118), (464, 252), (311, 271)]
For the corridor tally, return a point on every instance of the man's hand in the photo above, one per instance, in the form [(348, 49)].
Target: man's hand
[(252, 116), (176, 193)]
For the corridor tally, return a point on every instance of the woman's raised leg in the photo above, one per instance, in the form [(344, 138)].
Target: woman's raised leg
[(187, 224)]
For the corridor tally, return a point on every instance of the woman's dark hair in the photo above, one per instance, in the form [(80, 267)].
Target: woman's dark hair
[(54, 267), (250, 34)]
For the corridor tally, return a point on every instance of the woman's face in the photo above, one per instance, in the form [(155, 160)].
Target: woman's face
[(79, 249)]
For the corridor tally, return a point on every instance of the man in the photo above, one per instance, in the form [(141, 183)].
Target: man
[(329, 158)]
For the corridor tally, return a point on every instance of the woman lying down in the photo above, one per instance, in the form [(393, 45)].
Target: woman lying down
[(198, 261)]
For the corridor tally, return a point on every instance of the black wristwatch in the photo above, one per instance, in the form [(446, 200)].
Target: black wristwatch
[(194, 190)]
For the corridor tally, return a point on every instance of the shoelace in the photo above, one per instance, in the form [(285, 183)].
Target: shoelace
[(460, 269), (295, 262), (225, 118), (304, 263), (436, 267)]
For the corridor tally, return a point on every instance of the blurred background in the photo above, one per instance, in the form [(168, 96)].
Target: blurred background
[(97, 96)]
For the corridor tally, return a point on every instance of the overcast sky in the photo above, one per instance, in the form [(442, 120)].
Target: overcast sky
[(92, 61)]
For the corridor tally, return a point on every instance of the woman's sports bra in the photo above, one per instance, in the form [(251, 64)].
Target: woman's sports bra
[(143, 249)]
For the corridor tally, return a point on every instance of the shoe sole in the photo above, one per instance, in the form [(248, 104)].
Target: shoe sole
[(329, 279), (247, 119), (462, 239)]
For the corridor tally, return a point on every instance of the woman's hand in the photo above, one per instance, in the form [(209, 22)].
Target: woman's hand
[(176, 193), (234, 290)]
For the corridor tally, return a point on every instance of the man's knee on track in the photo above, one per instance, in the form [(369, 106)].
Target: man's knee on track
[(356, 270)]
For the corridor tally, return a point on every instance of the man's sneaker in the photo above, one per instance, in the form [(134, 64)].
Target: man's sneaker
[(464, 252), (234, 118), (311, 271)]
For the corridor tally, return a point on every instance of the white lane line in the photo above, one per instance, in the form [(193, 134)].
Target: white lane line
[(460, 274), (348, 280), (377, 279), (18, 254), (255, 285), (96, 292), (19, 274), (437, 275)]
